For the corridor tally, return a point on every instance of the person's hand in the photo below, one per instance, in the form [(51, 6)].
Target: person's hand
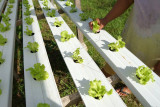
[(100, 23)]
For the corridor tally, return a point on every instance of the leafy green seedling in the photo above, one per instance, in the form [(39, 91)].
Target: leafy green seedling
[(52, 13), (95, 27), (73, 9), (116, 46), (58, 23), (43, 105), (0, 89), (76, 58), (28, 32), (65, 36), (28, 6), (11, 1), (46, 8), (68, 3), (144, 74), (27, 12), (38, 72), (83, 16), (97, 90), (10, 6), (25, 2), (9, 11), (4, 28), (29, 20), (1, 59), (33, 47), (3, 40), (45, 3), (5, 18)]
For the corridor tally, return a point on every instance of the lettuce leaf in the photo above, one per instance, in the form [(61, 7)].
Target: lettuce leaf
[(144, 74), (38, 72), (95, 27), (116, 46), (2, 40), (97, 90), (33, 47), (58, 23), (75, 56), (43, 105), (1, 60), (65, 36)]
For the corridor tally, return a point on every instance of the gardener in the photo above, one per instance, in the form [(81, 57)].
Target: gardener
[(142, 31)]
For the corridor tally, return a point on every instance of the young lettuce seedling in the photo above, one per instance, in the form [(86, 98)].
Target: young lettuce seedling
[(116, 46), (76, 58), (11, 1), (58, 23), (28, 32), (33, 47), (38, 72), (95, 27), (29, 20), (45, 3), (97, 90), (0, 89), (52, 13), (144, 74), (65, 36), (27, 12), (3, 40), (68, 3), (10, 6), (4, 28), (1, 59), (83, 16), (73, 9), (43, 105)]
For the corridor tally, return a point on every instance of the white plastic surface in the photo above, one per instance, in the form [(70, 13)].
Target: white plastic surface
[(38, 91), (6, 69), (124, 63), (83, 73)]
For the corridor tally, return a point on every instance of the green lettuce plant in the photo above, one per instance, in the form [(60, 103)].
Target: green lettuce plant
[(68, 3), (11, 1), (28, 32), (116, 46), (45, 3), (29, 20), (43, 105), (3, 40), (83, 16), (10, 6), (58, 23), (5, 18), (9, 11), (4, 28), (38, 72), (144, 74), (65, 36), (1, 59), (51, 13), (76, 58), (95, 27), (97, 90), (27, 12), (0, 89), (73, 9), (33, 47)]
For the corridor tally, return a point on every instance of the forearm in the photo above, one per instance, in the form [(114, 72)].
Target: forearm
[(119, 8)]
